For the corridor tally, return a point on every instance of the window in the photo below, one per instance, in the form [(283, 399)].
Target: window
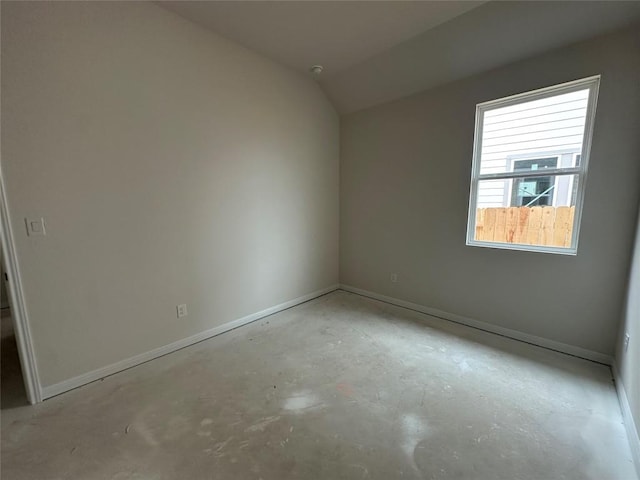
[(530, 159)]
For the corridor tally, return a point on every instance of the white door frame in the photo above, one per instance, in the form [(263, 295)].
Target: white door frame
[(18, 307)]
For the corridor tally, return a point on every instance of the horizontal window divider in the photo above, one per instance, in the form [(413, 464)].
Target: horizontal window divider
[(545, 172)]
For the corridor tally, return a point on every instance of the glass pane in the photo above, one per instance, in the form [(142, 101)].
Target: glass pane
[(527, 211), (547, 132)]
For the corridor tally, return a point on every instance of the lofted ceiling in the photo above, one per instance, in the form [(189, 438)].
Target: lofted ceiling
[(335, 34), (377, 51)]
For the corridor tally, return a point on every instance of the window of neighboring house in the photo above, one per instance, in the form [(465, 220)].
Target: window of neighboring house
[(533, 191), (529, 167)]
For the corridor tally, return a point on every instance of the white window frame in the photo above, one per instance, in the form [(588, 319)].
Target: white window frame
[(573, 180), (590, 83)]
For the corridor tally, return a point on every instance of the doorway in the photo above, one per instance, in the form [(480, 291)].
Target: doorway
[(18, 371), (12, 390)]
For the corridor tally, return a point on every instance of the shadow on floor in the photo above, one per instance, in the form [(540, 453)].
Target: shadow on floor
[(12, 392)]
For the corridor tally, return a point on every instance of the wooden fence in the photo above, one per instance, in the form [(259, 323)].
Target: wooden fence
[(551, 226)]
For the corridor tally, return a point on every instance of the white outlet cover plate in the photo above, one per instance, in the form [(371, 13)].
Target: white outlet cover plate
[(35, 227)]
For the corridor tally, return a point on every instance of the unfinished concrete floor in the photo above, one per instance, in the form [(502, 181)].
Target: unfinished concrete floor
[(342, 387)]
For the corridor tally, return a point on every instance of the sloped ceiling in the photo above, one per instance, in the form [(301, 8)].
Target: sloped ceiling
[(487, 37), (335, 34), (377, 51)]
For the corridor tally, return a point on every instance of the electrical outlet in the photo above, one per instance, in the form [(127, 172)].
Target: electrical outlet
[(35, 227), (182, 310), (626, 341), (394, 278)]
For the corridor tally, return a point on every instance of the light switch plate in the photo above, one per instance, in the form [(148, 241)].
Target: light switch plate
[(35, 227), (182, 310)]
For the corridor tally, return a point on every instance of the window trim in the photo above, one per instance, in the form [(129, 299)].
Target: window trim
[(592, 84)]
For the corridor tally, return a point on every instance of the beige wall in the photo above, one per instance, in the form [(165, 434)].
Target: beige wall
[(405, 173), (628, 360), (171, 166)]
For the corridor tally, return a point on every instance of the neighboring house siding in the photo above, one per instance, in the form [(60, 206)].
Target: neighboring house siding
[(549, 127), (493, 193)]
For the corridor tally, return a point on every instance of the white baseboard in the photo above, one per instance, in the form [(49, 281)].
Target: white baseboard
[(487, 327), (75, 382), (632, 429)]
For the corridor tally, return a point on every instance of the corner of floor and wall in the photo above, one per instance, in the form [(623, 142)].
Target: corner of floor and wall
[(235, 188), (626, 367)]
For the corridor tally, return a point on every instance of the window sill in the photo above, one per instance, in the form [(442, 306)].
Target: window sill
[(524, 248)]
